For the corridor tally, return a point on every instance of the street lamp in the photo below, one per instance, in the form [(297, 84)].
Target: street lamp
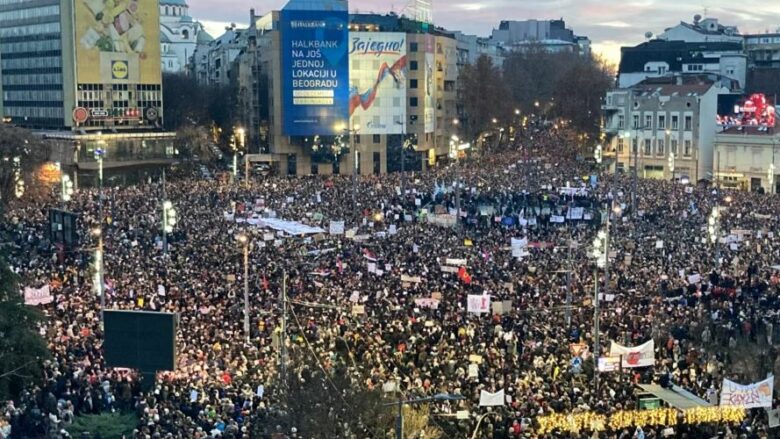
[(244, 240), (671, 163), (18, 179), (770, 177), (713, 229), (168, 221), (67, 187), (600, 255), (439, 397), (598, 154)]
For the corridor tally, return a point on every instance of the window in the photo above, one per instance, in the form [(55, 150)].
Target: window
[(661, 147), (621, 121), (648, 146), (675, 122), (413, 65), (620, 145), (687, 150), (661, 121), (357, 138), (412, 83), (674, 146), (413, 102), (185, 34), (634, 145), (648, 122), (377, 138), (635, 124), (688, 123), (413, 47)]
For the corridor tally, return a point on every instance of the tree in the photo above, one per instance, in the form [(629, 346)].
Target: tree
[(106, 424), (194, 141), (22, 349), (21, 154), (184, 101), (485, 96)]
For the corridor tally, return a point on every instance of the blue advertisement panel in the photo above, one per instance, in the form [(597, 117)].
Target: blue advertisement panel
[(315, 72)]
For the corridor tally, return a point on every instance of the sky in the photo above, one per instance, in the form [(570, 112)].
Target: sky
[(609, 24)]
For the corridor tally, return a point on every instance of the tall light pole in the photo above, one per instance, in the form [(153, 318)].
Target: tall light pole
[(356, 157), (241, 143), (244, 240), (18, 178), (713, 229), (67, 187), (97, 280), (168, 221), (600, 255)]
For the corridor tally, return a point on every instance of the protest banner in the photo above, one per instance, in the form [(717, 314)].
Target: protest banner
[(411, 279), (487, 399), (748, 396), (336, 228), (478, 304), (636, 356), (427, 303), (38, 296)]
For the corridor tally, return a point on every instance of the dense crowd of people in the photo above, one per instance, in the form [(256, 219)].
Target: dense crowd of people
[(353, 303)]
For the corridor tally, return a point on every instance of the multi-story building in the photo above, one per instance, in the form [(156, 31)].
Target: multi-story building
[(401, 78), (211, 62), (658, 58), (659, 116), (550, 35), (744, 159), (179, 36), (471, 47), (763, 51), (708, 30), (85, 68)]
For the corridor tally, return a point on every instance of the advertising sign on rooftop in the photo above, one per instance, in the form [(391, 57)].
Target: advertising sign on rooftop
[(315, 71)]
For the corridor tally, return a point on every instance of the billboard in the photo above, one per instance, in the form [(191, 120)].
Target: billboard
[(377, 82), (755, 110), (429, 115), (117, 41), (315, 71)]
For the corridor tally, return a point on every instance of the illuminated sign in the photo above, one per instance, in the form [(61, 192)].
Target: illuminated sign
[(315, 67), (119, 69), (377, 82), (755, 110)]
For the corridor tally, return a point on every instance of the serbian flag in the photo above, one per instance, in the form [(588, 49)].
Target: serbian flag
[(368, 254)]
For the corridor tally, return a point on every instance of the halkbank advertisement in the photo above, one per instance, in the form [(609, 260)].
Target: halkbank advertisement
[(315, 72), (117, 41)]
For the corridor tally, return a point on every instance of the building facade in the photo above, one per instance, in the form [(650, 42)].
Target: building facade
[(212, 62), (658, 58), (550, 35), (708, 30), (180, 35), (745, 159), (657, 117), (402, 81)]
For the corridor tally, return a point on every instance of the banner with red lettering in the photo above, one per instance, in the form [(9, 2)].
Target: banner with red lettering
[(748, 396), (637, 356), (38, 296)]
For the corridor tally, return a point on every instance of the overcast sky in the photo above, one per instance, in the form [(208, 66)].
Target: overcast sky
[(609, 23)]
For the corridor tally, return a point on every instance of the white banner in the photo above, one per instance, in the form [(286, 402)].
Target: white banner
[(748, 396), (557, 219), (427, 303), (456, 262), (609, 364), (637, 356), (411, 279), (478, 304), (487, 399), (336, 228), (38, 296)]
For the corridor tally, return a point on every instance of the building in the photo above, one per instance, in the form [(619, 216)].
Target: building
[(659, 116), (394, 83), (708, 30), (68, 72), (211, 62), (744, 160), (179, 36), (420, 10), (763, 50), (471, 47), (550, 35), (658, 58)]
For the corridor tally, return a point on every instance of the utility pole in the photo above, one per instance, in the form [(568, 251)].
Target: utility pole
[(283, 335)]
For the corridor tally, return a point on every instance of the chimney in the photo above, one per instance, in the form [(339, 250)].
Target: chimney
[(252, 17)]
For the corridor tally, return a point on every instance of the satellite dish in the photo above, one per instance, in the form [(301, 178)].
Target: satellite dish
[(648, 35), (696, 18)]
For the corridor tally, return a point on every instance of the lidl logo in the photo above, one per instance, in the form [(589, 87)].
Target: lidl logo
[(119, 69)]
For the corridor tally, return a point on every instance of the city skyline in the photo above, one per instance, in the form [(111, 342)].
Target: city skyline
[(609, 24)]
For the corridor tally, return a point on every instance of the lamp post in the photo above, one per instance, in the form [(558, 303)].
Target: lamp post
[(600, 255), (439, 397), (98, 278), (770, 178), (352, 131), (244, 240), (671, 163), (168, 221), (713, 229), (18, 179)]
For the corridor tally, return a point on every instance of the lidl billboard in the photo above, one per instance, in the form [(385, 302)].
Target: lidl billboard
[(117, 41), (315, 71), (377, 82)]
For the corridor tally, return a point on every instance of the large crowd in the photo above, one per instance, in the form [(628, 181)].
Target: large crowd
[(361, 287)]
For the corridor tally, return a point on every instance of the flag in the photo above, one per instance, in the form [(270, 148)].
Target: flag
[(464, 275), (340, 265), (368, 254), (468, 243)]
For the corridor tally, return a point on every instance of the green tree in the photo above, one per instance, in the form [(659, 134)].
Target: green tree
[(22, 349), (184, 99), (30, 152), (108, 425), (192, 140)]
